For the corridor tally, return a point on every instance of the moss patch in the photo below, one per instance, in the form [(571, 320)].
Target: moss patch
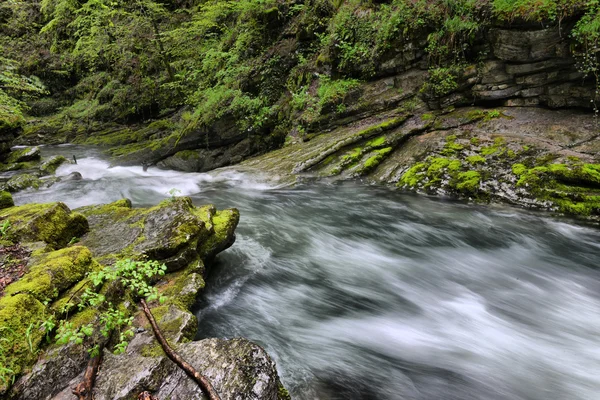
[(50, 165), (54, 273), (6, 200), (19, 319), (53, 223), (573, 188)]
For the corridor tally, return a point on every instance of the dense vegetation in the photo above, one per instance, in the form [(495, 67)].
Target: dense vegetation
[(272, 65)]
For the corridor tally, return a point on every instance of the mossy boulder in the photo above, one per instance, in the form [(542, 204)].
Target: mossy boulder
[(23, 155), (52, 273), (6, 200), (26, 303), (49, 166), (20, 166), (52, 223), (221, 225), (174, 231), (22, 182), (19, 318)]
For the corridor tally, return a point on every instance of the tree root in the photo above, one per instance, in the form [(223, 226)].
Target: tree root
[(201, 380), (146, 396), (83, 390)]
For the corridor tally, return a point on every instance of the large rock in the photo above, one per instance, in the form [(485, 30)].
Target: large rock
[(24, 155), (52, 223), (25, 304), (49, 166), (22, 182), (174, 232), (237, 368)]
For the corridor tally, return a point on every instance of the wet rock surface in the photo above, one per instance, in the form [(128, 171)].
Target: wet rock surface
[(175, 232)]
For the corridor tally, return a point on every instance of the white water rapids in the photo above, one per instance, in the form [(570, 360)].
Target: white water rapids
[(365, 293)]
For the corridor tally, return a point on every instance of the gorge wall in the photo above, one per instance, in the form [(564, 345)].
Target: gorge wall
[(345, 87)]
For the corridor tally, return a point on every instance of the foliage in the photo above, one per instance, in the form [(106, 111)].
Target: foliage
[(133, 276), (255, 62)]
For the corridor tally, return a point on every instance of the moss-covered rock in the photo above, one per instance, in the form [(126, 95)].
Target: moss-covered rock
[(6, 200), (174, 232), (19, 318), (49, 166), (22, 182), (52, 223), (23, 155), (222, 226), (52, 273)]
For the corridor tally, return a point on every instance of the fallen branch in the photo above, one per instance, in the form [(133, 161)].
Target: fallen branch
[(146, 396), (83, 390), (201, 380)]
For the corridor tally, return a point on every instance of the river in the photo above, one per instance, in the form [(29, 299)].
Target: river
[(360, 292)]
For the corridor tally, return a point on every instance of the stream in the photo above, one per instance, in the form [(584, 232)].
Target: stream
[(361, 292)]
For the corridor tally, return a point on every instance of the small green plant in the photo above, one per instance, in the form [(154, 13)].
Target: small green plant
[(4, 228), (174, 193), (73, 241), (130, 275), (442, 81)]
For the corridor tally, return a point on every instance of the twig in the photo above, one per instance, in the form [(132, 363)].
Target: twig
[(200, 379), (83, 390), (146, 396)]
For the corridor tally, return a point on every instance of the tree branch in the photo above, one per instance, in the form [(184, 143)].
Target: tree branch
[(200, 379), (83, 390)]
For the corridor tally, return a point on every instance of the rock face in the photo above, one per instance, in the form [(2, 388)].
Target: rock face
[(174, 232), (517, 66), (237, 368)]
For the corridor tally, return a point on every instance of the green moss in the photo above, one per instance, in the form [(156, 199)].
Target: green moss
[(152, 350), (22, 182), (451, 147), (475, 141), (380, 141), (436, 165), (54, 273), (224, 223), (468, 181), (572, 188), (413, 176), (50, 166), (475, 115), (476, 159), (122, 207), (519, 169), (52, 223), (427, 117), (372, 162), (19, 318), (6, 200), (86, 316), (22, 155), (282, 393), (353, 157)]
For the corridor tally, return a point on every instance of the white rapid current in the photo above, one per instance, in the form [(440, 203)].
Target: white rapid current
[(364, 293)]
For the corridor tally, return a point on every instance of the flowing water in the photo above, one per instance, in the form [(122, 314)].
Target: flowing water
[(365, 293)]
